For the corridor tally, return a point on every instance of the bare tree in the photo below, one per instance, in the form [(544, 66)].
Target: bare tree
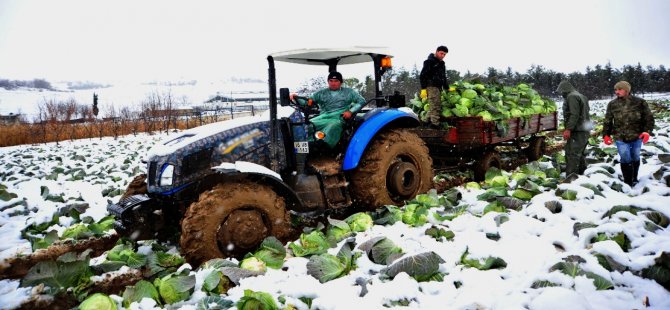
[(168, 110), (86, 113), (115, 120), (99, 123), (58, 115), (131, 117)]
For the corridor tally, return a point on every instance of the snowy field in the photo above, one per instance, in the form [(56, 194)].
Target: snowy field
[(594, 243)]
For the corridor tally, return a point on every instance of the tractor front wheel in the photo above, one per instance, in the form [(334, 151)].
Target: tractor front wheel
[(395, 168), (231, 220)]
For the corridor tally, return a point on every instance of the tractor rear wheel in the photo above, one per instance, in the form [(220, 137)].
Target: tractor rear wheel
[(231, 220), (395, 168)]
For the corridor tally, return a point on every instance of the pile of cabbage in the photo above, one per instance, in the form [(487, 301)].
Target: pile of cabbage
[(492, 102)]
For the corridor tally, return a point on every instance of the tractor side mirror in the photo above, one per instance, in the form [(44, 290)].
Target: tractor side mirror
[(284, 97), (396, 100)]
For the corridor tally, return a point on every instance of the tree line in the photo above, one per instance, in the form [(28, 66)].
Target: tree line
[(35, 83), (596, 82)]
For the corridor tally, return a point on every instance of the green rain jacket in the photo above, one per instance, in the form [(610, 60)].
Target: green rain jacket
[(575, 108), (332, 103), (626, 118)]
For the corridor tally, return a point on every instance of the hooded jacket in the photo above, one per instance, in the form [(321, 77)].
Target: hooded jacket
[(575, 108), (433, 73)]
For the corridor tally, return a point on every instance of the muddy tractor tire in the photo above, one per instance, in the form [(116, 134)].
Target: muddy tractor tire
[(138, 186), (231, 220), (536, 148), (395, 168), (488, 160)]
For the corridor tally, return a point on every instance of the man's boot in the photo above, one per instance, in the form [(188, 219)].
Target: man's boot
[(636, 167), (627, 172)]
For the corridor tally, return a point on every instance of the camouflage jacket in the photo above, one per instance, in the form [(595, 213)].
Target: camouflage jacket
[(626, 118)]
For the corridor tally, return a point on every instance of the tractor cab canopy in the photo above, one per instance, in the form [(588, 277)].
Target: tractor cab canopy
[(332, 57)]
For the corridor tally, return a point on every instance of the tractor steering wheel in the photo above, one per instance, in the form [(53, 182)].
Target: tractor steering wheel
[(308, 110)]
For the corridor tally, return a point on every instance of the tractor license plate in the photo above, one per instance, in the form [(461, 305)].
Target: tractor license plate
[(301, 147)]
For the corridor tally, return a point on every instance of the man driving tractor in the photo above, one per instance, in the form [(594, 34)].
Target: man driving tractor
[(336, 104)]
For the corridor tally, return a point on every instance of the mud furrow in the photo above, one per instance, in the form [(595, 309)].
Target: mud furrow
[(17, 267)]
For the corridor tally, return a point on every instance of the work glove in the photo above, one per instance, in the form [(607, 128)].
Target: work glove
[(645, 137), (607, 140), (423, 94), (566, 134), (346, 115)]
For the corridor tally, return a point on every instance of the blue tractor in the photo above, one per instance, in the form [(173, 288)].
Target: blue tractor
[(231, 184)]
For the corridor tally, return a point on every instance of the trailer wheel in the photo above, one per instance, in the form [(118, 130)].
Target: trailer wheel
[(395, 168), (232, 219), (536, 148), (488, 160)]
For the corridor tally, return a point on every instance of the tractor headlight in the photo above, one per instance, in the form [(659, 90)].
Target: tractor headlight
[(166, 175)]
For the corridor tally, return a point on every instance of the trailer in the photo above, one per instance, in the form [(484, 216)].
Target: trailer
[(472, 141)]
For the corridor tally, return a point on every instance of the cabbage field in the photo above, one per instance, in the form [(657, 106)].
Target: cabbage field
[(521, 239)]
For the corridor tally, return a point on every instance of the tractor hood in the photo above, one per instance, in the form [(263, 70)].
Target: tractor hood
[(173, 143)]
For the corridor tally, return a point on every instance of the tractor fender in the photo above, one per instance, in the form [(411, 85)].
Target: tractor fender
[(227, 172), (370, 127)]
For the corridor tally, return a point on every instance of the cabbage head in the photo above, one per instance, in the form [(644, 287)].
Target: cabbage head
[(447, 113), (453, 98), (98, 301), (516, 112), (465, 102), (469, 93), (460, 110), (253, 263), (486, 115), (360, 221)]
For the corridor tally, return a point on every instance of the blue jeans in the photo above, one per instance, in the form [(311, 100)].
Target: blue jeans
[(629, 151)]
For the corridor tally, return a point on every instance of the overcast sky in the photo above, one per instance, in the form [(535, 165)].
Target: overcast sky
[(167, 40)]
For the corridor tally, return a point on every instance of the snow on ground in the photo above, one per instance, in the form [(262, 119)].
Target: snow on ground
[(531, 241)]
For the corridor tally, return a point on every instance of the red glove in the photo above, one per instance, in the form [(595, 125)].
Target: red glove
[(607, 140), (566, 134), (645, 137), (346, 115)]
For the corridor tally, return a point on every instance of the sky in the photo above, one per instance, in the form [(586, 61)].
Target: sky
[(110, 41), (531, 241)]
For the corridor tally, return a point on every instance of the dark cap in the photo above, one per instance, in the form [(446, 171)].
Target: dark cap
[(334, 75), (442, 48)]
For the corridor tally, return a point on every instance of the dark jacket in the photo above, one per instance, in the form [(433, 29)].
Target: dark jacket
[(433, 73), (626, 118), (575, 108)]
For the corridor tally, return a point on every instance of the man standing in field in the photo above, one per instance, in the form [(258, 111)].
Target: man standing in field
[(629, 119), (433, 79), (578, 127)]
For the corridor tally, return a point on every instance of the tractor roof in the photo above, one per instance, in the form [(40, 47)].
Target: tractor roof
[(321, 56)]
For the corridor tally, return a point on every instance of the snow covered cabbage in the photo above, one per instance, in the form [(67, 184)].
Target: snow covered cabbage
[(98, 301), (360, 221), (253, 263)]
